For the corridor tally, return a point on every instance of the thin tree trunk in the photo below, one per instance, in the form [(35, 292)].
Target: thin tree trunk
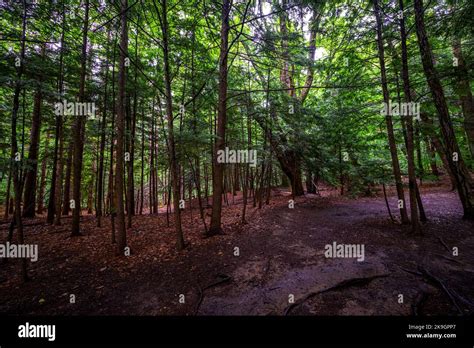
[(388, 118), (217, 180), (42, 186), (246, 180), (130, 177), (32, 172), (386, 202), (120, 127), (413, 190), (17, 184), (67, 180), (54, 213), (142, 164), (110, 192), (169, 114), (103, 126), (79, 132)]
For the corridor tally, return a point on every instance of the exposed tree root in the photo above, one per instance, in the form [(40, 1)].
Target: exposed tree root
[(444, 244), (341, 285), (448, 258), (440, 284), (411, 271), (420, 300), (223, 279), (422, 272)]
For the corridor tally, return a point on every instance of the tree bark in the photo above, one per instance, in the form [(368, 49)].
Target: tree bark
[(103, 126), (42, 185), (217, 180), (79, 130), (120, 128), (388, 118), (171, 142), (7, 196), (416, 228), (54, 204), (67, 180), (131, 176), (458, 168), (17, 184), (142, 174), (32, 172)]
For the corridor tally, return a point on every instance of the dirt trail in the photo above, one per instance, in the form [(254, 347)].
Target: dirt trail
[(281, 255), (293, 262)]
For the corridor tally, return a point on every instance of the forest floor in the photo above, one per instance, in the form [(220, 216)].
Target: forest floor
[(281, 255)]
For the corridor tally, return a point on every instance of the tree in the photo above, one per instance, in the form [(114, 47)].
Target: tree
[(79, 132), (170, 118), (409, 124), (15, 160), (32, 172), (388, 117), (54, 204), (453, 153), (218, 173), (120, 127)]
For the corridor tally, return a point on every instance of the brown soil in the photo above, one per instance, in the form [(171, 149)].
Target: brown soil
[(281, 255)]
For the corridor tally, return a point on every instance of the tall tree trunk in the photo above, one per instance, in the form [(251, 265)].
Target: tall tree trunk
[(217, 180), (110, 191), (54, 207), (17, 184), (151, 176), (120, 127), (458, 168), (103, 126), (130, 176), (142, 164), (54, 192), (171, 142), (32, 172), (247, 168), (197, 169), (79, 132), (285, 75), (409, 123), (388, 118)]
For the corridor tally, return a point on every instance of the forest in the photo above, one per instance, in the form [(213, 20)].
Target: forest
[(236, 157)]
